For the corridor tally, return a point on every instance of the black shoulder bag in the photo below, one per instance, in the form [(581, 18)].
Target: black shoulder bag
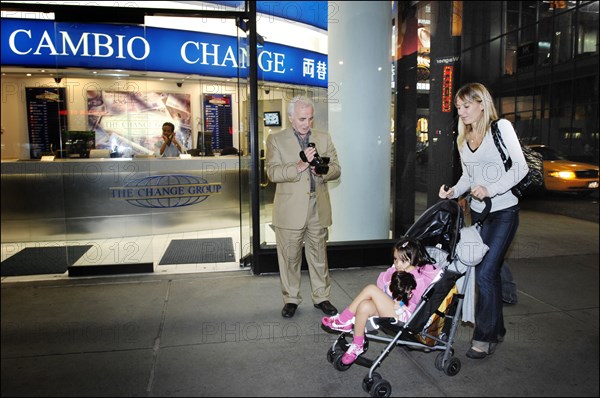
[(534, 180)]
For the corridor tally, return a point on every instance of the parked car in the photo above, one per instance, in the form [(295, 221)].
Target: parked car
[(561, 174)]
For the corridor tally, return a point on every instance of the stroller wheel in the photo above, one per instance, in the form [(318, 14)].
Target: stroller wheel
[(439, 361), (330, 355), (338, 364), (381, 388), (367, 382), (452, 367)]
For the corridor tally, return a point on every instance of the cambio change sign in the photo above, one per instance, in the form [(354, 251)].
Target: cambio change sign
[(48, 44)]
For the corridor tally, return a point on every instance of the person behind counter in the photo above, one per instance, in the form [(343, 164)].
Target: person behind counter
[(170, 146)]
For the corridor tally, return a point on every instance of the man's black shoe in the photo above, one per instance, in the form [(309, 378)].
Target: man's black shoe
[(327, 308), (289, 310)]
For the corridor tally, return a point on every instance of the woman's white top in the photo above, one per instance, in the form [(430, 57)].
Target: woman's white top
[(484, 167)]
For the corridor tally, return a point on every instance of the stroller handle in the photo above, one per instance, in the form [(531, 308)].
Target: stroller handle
[(488, 207)]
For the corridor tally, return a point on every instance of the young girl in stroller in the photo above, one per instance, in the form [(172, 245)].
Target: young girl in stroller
[(411, 257)]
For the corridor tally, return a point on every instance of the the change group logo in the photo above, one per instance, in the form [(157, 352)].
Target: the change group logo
[(165, 191)]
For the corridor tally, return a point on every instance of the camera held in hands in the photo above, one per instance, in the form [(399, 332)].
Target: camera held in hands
[(319, 163)]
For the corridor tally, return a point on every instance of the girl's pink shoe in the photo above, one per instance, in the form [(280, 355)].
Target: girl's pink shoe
[(353, 352), (333, 323)]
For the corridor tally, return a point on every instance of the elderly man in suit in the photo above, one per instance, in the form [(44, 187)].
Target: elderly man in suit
[(301, 208)]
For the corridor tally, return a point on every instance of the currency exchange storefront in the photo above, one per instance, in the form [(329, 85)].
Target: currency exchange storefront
[(84, 188)]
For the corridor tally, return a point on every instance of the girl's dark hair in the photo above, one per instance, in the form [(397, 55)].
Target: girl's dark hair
[(401, 285), (414, 251)]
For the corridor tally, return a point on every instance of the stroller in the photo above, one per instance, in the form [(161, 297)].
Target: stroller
[(433, 324)]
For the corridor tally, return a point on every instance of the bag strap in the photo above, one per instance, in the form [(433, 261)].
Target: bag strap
[(506, 160)]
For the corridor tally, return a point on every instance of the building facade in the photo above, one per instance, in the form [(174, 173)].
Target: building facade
[(391, 105)]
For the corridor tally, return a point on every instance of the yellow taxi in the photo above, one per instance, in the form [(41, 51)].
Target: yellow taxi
[(565, 175)]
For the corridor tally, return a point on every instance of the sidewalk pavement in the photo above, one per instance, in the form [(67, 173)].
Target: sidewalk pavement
[(221, 334)]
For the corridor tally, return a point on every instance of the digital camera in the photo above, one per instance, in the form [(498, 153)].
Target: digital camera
[(319, 163)]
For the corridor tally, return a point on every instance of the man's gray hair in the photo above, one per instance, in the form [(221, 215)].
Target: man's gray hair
[(299, 99)]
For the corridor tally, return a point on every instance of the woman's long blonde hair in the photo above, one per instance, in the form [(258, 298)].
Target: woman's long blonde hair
[(475, 92)]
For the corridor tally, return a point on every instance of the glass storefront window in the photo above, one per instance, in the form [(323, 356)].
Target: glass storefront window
[(510, 52), (507, 105), (582, 94), (545, 10), (525, 115), (524, 104), (587, 29), (544, 102), (512, 16), (107, 186), (544, 41), (563, 38), (561, 96), (528, 20)]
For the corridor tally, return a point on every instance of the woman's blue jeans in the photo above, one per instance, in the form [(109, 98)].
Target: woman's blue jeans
[(498, 230)]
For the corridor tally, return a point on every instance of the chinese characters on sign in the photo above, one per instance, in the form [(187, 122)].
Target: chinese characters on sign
[(308, 68)]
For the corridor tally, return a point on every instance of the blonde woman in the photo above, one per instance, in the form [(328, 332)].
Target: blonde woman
[(484, 175)]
